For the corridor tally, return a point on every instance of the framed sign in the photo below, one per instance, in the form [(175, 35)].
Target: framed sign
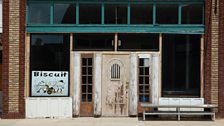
[(49, 83)]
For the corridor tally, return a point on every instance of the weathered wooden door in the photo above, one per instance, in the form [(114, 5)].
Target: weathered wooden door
[(115, 85), (86, 104)]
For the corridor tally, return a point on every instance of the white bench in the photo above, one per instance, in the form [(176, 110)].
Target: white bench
[(174, 106)]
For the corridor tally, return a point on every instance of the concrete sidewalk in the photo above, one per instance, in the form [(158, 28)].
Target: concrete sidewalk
[(104, 122)]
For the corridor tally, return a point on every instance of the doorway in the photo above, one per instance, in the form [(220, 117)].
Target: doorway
[(115, 85)]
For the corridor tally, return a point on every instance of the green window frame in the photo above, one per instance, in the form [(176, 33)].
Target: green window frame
[(119, 28)]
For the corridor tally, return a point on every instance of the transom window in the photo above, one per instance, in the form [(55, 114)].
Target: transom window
[(115, 12)]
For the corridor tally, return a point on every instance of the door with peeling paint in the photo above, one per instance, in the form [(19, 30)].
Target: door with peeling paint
[(115, 85)]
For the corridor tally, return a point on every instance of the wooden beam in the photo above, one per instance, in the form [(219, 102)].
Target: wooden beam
[(71, 65), (27, 65), (202, 66), (160, 63)]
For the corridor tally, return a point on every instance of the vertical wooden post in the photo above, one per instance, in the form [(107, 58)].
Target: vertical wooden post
[(115, 42), (77, 84), (98, 86), (202, 66), (133, 85), (71, 65), (160, 65), (27, 65)]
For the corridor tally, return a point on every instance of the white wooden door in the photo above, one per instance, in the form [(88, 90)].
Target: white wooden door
[(115, 85)]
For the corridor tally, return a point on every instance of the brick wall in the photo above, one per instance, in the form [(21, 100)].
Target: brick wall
[(221, 60), (207, 53), (13, 58), (214, 51)]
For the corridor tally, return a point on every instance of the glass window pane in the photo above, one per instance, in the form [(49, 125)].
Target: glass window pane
[(141, 89), (90, 14), (49, 52), (89, 97), (93, 42), (141, 14), (115, 14), (84, 61), (140, 42), (89, 88), (83, 79), (90, 61), (89, 70), (89, 79), (64, 13), (147, 71), (84, 72), (141, 62), (83, 97), (83, 89), (192, 14), (181, 65), (166, 14), (146, 80), (39, 13), (141, 71), (141, 79)]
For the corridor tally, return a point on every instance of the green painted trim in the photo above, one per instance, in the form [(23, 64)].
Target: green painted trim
[(102, 13), (77, 13), (179, 14), (154, 14), (52, 12), (129, 13), (187, 29)]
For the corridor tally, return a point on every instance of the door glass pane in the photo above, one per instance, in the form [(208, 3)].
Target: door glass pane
[(39, 13), (90, 13), (141, 14), (64, 13), (192, 14), (166, 14), (144, 81), (115, 14)]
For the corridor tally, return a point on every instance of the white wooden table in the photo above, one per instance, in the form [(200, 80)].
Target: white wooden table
[(178, 111)]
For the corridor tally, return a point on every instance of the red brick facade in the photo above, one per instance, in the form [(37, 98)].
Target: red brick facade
[(221, 60), (5, 80), (207, 53)]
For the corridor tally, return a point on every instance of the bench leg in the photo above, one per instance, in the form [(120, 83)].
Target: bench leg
[(144, 115), (178, 117), (213, 117)]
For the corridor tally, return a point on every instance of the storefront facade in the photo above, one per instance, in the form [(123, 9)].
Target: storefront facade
[(105, 58)]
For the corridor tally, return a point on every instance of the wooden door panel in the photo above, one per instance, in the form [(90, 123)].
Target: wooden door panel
[(86, 103), (114, 88)]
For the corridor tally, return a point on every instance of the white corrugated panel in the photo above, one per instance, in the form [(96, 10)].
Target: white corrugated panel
[(49, 107)]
